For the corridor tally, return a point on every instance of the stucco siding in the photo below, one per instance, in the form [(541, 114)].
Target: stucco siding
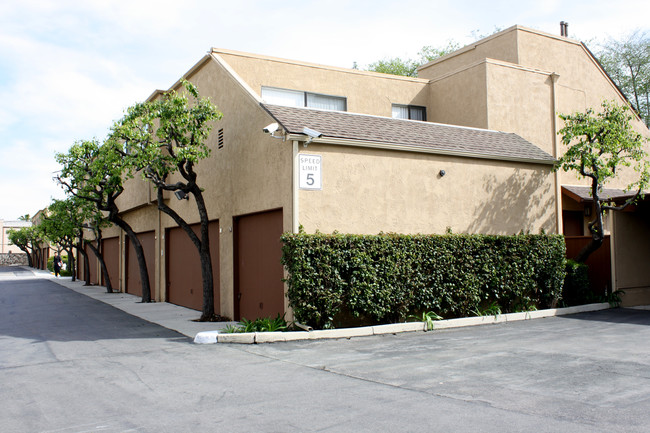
[(370, 191), (521, 100), (461, 98)]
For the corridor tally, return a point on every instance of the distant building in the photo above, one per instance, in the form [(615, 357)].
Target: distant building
[(6, 246)]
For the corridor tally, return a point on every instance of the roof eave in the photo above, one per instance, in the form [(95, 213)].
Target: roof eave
[(412, 148)]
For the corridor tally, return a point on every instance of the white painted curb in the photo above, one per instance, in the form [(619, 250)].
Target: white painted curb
[(211, 337)]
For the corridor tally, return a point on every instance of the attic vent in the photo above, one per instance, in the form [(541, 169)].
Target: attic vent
[(220, 144)]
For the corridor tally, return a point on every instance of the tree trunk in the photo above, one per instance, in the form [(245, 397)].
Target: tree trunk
[(203, 247), (595, 227), (588, 249), (86, 262), (208, 312), (139, 252), (102, 263), (71, 265)]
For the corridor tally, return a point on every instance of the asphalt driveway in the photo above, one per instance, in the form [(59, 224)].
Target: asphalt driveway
[(69, 363)]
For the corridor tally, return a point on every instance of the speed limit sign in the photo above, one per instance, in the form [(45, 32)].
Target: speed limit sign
[(311, 173)]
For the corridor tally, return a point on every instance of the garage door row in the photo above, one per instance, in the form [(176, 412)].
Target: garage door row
[(258, 287)]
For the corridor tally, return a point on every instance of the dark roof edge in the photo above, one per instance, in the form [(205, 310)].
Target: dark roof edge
[(416, 149)]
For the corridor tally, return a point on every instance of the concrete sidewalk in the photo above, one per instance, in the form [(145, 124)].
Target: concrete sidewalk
[(168, 315)]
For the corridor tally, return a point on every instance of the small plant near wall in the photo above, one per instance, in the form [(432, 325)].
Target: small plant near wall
[(428, 317), (615, 298), (491, 310), (266, 324)]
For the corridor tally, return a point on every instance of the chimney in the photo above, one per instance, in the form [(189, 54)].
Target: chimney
[(564, 29)]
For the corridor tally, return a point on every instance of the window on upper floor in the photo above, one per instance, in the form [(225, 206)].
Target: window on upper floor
[(412, 112), (296, 98)]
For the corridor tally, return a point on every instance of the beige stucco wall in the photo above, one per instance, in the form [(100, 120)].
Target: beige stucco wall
[(137, 193), (366, 92), (367, 191), (460, 98), (521, 100)]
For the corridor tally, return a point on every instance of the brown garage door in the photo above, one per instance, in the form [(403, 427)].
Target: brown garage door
[(111, 253), (259, 291), (133, 282), (184, 281), (45, 255)]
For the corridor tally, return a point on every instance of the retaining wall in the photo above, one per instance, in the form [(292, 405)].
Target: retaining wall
[(13, 259)]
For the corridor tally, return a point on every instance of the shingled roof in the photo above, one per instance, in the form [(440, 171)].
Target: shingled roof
[(409, 134), (582, 194)]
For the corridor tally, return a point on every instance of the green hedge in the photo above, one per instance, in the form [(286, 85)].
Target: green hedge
[(385, 278), (64, 272), (577, 289)]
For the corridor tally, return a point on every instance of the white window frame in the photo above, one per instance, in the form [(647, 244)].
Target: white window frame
[(300, 98), (408, 109)]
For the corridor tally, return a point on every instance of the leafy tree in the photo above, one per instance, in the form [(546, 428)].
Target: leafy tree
[(64, 225), (628, 63), (28, 239), (94, 172), (164, 140), (21, 239), (599, 145), (408, 67), (24, 217), (428, 53), (61, 228)]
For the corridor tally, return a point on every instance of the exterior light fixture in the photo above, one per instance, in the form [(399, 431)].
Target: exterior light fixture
[(181, 195)]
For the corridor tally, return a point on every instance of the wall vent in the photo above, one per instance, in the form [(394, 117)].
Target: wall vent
[(220, 143)]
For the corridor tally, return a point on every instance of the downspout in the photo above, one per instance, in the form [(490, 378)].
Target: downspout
[(295, 190), (612, 251), (160, 278), (556, 155), (295, 222)]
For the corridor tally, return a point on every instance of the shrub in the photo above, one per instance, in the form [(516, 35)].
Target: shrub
[(384, 278), (64, 272), (577, 288)]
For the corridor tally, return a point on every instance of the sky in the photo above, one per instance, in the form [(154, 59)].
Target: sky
[(69, 69)]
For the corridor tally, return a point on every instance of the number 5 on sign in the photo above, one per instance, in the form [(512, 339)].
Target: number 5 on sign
[(311, 173)]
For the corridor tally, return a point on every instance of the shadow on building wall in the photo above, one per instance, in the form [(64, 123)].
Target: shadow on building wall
[(522, 202)]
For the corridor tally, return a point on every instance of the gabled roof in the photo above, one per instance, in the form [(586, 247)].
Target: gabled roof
[(409, 134)]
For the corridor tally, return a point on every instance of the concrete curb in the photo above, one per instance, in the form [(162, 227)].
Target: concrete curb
[(211, 337)]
